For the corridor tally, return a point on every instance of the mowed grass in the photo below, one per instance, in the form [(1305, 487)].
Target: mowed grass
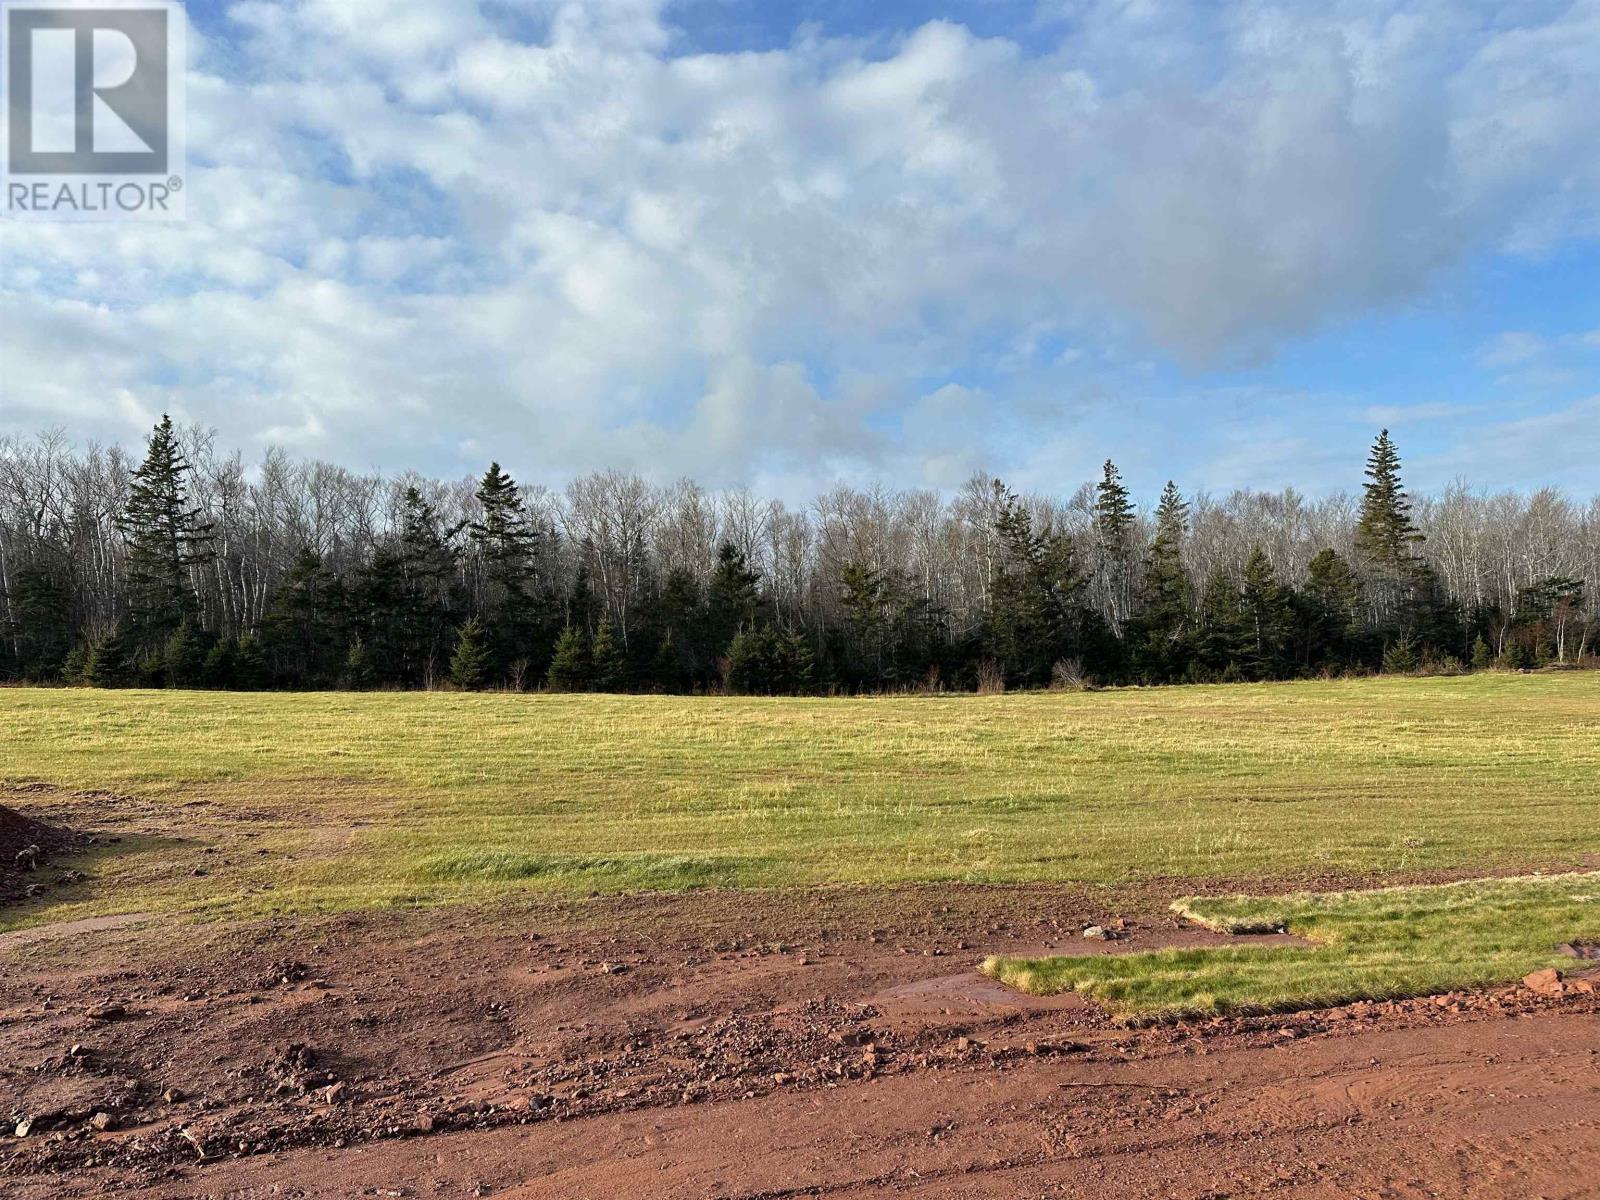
[(1406, 941), (407, 798)]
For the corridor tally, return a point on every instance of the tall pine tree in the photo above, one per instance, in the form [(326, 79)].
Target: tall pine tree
[(1385, 536), (1113, 527), (166, 539), (506, 544), (1168, 617), (1387, 543)]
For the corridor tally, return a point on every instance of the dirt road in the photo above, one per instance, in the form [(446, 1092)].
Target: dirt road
[(716, 1045)]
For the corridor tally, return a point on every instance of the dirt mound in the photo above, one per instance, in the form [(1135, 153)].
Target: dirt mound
[(25, 844)]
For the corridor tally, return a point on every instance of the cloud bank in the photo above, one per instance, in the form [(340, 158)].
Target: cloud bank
[(561, 231)]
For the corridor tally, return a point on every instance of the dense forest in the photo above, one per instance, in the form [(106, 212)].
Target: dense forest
[(188, 569)]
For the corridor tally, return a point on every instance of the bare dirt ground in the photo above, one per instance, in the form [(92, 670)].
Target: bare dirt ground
[(734, 1045)]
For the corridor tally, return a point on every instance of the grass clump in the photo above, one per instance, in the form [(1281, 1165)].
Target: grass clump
[(625, 873), (1387, 943)]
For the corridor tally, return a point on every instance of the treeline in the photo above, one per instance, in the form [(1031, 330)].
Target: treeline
[(184, 569)]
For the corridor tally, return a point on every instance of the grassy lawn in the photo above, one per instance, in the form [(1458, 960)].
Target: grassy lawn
[(405, 798), (1407, 941)]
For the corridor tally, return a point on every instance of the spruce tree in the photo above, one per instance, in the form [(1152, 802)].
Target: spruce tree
[(1387, 548), (1222, 636), (733, 597), (108, 663), (506, 543), (1267, 617), (865, 601), (429, 590), (1113, 525), (1333, 610), (1386, 539), (1034, 613), (250, 665), (166, 539), (608, 663), (300, 633), (358, 670), (571, 670), (221, 666), (1168, 615), (469, 664), (184, 656), (41, 624), (764, 661)]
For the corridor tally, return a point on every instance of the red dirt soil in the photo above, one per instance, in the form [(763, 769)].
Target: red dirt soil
[(733, 1045)]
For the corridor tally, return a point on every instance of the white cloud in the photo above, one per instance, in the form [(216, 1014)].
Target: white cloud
[(561, 226), (1511, 349), (1556, 448)]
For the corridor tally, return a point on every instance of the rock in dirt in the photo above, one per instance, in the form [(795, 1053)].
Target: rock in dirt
[(1546, 983), (1097, 933)]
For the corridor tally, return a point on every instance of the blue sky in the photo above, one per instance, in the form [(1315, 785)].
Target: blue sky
[(786, 245)]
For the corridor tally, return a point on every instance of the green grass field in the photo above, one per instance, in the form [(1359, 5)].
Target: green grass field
[(404, 798)]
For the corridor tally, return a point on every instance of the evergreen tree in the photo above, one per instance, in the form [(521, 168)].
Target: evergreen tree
[(609, 664), (1387, 542), (1385, 535), (571, 670), (1113, 526), (1222, 636), (502, 535), (300, 633), (1482, 656), (250, 672), (1034, 618), (765, 662), (109, 663), (667, 667), (73, 667), (684, 655), (1268, 620), (221, 666), (865, 600), (1168, 618), (378, 620), (430, 594), (1401, 658), (358, 670), (506, 543), (166, 538), (733, 597), (184, 656), (1434, 618), (41, 625), (1332, 602), (469, 664)]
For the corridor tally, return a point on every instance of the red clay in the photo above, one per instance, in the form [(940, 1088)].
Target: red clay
[(712, 1045)]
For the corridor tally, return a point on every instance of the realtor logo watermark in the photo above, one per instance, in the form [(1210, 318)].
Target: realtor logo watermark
[(94, 98)]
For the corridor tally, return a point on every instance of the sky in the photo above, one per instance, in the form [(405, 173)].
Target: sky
[(785, 245)]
